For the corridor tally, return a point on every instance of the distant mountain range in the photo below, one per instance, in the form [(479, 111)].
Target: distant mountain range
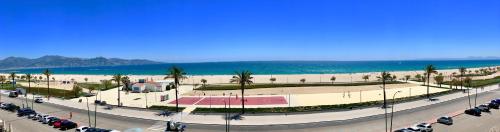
[(61, 61)]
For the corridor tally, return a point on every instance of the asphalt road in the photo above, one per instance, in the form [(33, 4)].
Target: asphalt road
[(22, 124), (372, 124)]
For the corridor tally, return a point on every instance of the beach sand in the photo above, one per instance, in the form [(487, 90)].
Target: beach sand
[(292, 78)]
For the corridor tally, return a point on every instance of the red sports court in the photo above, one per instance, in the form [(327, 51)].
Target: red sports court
[(271, 100)]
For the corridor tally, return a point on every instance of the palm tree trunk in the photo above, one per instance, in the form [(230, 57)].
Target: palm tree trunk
[(176, 98), (242, 98), (428, 84), (118, 94), (48, 88)]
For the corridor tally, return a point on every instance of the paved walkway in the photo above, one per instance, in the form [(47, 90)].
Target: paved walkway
[(267, 119)]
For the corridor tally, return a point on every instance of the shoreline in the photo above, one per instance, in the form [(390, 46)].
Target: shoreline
[(260, 78)]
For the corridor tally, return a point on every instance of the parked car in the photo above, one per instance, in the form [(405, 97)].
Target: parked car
[(496, 101), (425, 127), (404, 130), (175, 126), (445, 120), (82, 129), (39, 100), (100, 130), (414, 129), (493, 105), (474, 111), (13, 94), (57, 124), (32, 116), (42, 117), (11, 107), (53, 120), (484, 108), (67, 124), (47, 119), (25, 112)]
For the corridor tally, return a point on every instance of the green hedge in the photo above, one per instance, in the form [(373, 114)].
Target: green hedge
[(59, 93), (481, 83), (96, 85), (339, 107), (168, 108), (269, 85)]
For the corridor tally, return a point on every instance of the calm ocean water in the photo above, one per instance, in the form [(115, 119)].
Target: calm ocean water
[(270, 67)]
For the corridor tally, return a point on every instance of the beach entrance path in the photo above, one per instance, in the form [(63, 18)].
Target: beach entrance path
[(267, 100)]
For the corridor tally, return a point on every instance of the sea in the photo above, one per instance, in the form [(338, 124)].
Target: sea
[(268, 67)]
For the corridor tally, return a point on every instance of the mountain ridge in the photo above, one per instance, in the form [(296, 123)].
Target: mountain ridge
[(51, 61)]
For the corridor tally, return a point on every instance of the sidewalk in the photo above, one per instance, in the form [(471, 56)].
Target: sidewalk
[(265, 119)]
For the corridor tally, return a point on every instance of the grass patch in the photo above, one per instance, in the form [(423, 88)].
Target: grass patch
[(96, 85), (339, 107), (168, 108), (59, 93), (269, 85), (481, 82)]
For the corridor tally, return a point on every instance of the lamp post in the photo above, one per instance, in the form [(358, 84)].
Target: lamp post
[(392, 108)]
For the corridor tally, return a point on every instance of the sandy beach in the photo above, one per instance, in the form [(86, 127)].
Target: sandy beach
[(289, 78)]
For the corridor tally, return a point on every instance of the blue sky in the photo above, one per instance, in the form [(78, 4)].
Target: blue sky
[(229, 30)]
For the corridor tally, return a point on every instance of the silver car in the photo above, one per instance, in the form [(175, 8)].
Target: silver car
[(424, 127), (445, 120)]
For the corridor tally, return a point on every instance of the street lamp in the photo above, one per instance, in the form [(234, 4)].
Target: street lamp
[(392, 108)]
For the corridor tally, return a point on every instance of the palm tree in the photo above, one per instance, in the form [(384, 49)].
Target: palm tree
[(468, 81), (2, 80), (13, 77), (430, 69), (384, 76), (126, 81), (243, 78), (47, 74), (177, 74), (333, 78), (393, 78), (118, 79), (28, 77), (204, 81), (462, 71), (272, 79), (366, 77), (407, 77), (86, 79)]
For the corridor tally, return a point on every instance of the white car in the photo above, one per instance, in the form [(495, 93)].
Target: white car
[(82, 129), (39, 100), (41, 117), (424, 127), (46, 119)]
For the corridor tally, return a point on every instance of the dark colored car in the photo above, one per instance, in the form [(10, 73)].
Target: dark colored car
[(25, 111), (65, 125), (493, 105), (484, 108), (11, 107), (496, 101), (53, 120), (474, 111)]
